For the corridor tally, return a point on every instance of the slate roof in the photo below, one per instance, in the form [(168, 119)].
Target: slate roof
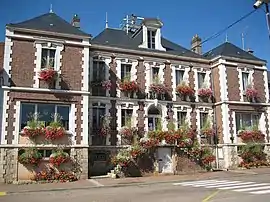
[(119, 38), (230, 50), (50, 22)]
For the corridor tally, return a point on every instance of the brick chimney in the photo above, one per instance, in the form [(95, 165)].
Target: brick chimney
[(196, 46), (76, 21)]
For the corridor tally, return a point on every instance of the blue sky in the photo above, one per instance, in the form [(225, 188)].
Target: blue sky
[(182, 19)]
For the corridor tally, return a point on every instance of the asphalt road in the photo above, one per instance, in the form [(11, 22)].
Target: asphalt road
[(252, 188)]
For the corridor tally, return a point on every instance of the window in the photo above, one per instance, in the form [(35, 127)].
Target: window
[(203, 119), (151, 38), (201, 77), (45, 114), (154, 119), (45, 153), (99, 111), (99, 73), (179, 76), (126, 117), (155, 74), (181, 118), (125, 72), (245, 76), (47, 58), (246, 121)]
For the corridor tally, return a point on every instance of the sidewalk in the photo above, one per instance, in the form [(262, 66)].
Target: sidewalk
[(108, 182)]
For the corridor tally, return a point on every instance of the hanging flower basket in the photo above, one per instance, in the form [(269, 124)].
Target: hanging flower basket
[(129, 86), (32, 132), (59, 158), (30, 156), (106, 85), (127, 132), (208, 132), (205, 94), (252, 136), (158, 88), (48, 75), (251, 93), (185, 90)]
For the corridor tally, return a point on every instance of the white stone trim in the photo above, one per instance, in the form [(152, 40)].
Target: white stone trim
[(107, 73), (7, 58), (262, 124), (173, 76), (161, 73), (85, 69), (118, 122), (223, 83), (164, 121), (196, 84), (240, 84), (250, 77), (266, 87), (134, 71), (118, 75), (16, 123), (207, 80), (135, 115), (234, 127), (84, 118), (198, 124), (58, 65), (5, 117), (37, 63), (225, 132), (188, 111), (72, 123)]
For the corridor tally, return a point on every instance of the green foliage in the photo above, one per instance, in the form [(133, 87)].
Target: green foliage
[(56, 123), (171, 125), (159, 125)]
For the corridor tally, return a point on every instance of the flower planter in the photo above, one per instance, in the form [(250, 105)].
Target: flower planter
[(58, 159), (129, 94), (204, 99)]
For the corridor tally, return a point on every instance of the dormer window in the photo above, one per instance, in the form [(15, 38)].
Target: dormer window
[(151, 39)]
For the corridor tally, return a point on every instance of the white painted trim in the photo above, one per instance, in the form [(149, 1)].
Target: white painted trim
[(196, 82), (223, 83), (72, 122), (164, 121), (118, 122), (58, 65), (4, 117), (7, 58), (42, 32), (37, 63), (118, 75), (234, 127), (161, 73), (6, 88), (16, 123), (225, 131), (107, 73), (84, 118), (266, 87), (240, 84), (85, 69), (262, 63), (243, 103), (198, 124), (148, 76)]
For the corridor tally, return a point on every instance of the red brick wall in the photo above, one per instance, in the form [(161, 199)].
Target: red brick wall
[(216, 84), (71, 69), (168, 79), (43, 98), (22, 65), (233, 83), (258, 79), (141, 77)]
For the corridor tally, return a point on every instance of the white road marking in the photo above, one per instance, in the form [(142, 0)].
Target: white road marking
[(229, 184), (252, 189), (261, 192), (243, 186)]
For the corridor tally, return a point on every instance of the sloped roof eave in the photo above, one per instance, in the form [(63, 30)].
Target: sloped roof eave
[(259, 62)]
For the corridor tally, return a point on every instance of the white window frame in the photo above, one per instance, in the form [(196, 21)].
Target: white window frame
[(201, 85), (126, 108), (151, 34), (244, 88), (252, 119), (182, 73), (124, 67), (47, 65), (180, 111), (152, 73), (70, 118)]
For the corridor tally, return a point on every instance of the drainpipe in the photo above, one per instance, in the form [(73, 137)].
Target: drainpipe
[(214, 120)]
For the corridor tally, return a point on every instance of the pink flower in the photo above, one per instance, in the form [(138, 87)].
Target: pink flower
[(205, 92), (106, 85), (251, 93)]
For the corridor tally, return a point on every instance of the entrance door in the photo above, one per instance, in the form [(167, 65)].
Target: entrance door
[(165, 160)]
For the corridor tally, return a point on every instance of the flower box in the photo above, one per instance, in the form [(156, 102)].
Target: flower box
[(128, 86), (251, 136), (184, 91), (158, 88), (59, 158), (48, 75), (30, 157), (205, 94), (251, 94)]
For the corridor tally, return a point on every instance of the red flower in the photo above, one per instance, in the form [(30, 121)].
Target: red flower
[(158, 88), (205, 92), (33, 132), (207, 132), (185, 90), (58, 160), (54, 133), (129, 86), (252, 136), (106, 85), (47, 74), (251, 93)]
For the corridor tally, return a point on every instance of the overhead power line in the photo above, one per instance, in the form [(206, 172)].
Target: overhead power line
[(217, 34)]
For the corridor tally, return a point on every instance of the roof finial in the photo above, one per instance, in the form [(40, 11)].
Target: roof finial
[(226, 39), (51, 10), (106, 25)]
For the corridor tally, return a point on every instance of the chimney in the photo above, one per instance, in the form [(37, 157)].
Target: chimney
[(76, 21), (250, 51), (196, 46)]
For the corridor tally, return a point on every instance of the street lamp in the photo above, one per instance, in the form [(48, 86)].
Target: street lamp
[(257, 5)]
